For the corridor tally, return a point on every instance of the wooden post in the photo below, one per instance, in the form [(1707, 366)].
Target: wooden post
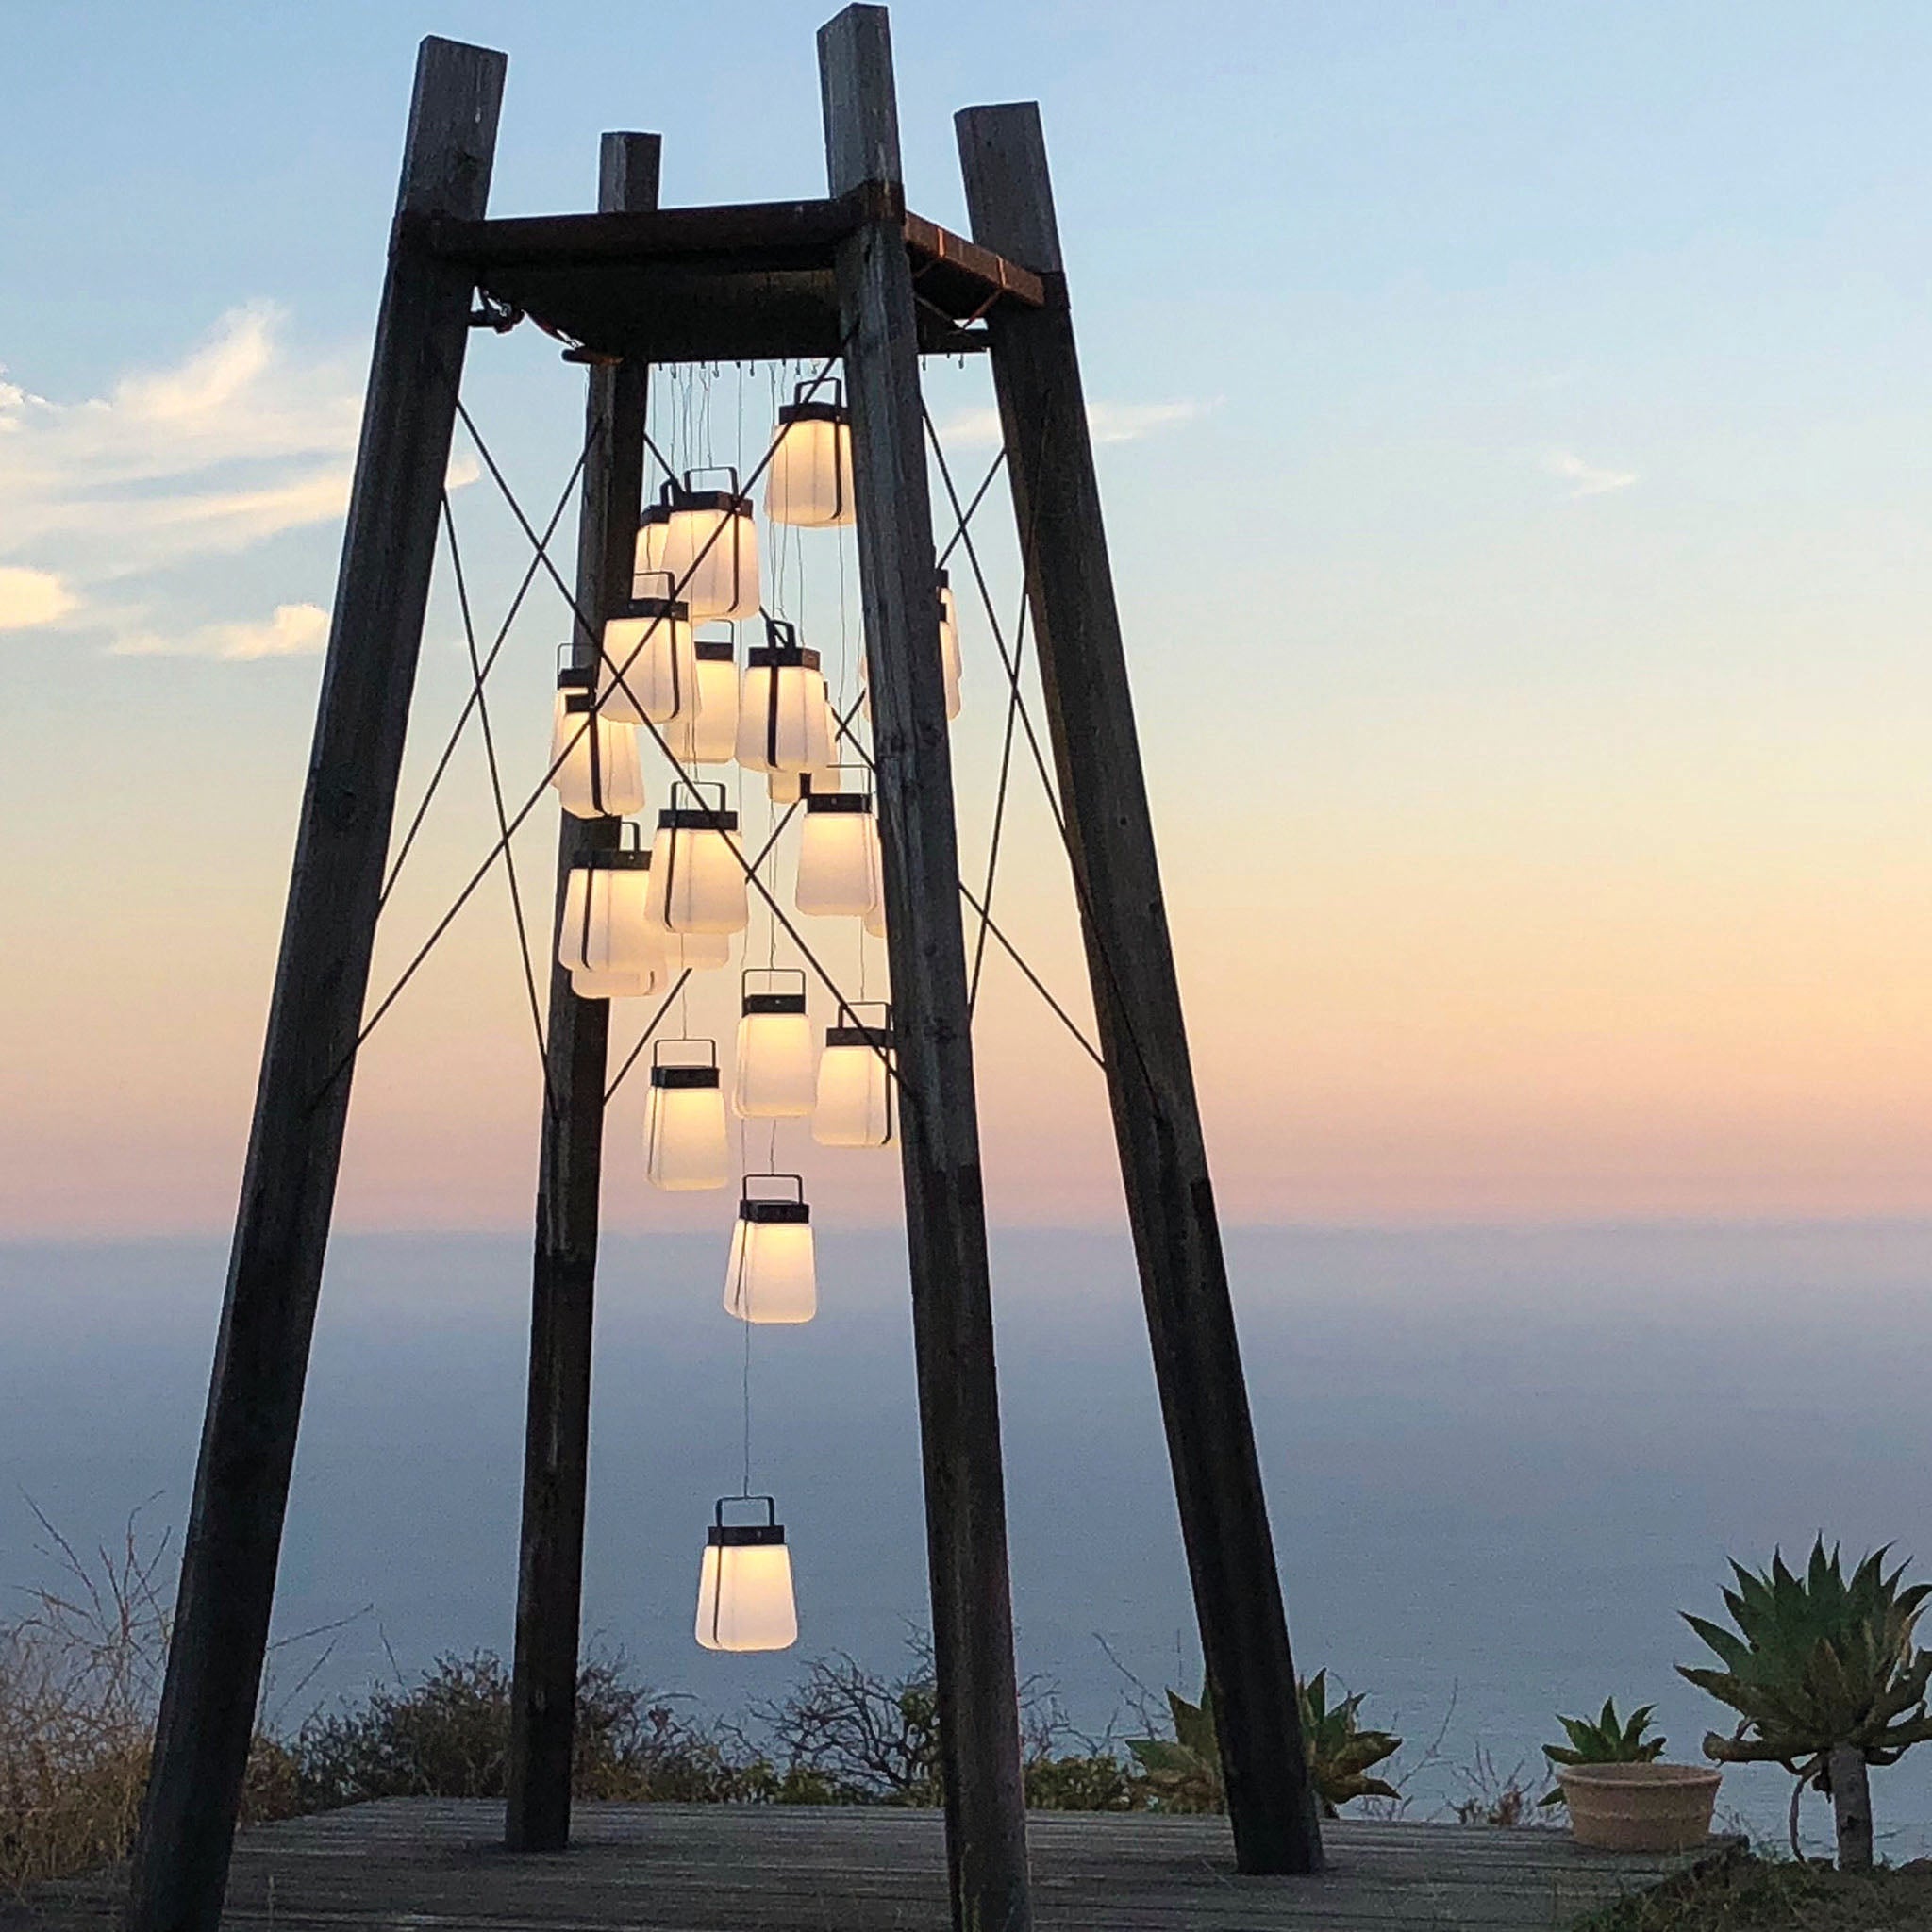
[(556, 1434), (945, 1204), (1136, 997), (294, 1148)]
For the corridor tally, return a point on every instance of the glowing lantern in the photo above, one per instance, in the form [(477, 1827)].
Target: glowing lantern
[(651, 530), (784, 717), (744, 1589), (595, 769), (809, 481), (854, 1098), (772, 1079), (771, 1275), (611, 986), (709, 734), (685, 1145), (949, 643), (607, 929), (838, 869), (711, 548), (697, 872), (650, 663)]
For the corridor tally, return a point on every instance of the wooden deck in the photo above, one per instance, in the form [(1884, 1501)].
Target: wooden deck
[(433, 1865)]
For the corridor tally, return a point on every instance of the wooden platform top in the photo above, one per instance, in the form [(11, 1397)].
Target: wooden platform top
[(436, 1865), (740, 281)]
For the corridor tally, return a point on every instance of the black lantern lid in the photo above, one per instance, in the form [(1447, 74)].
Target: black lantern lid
[(615, 858), (714, 650), (859, 801), (791, 1000), (684, 1076), (696, 817), (753, 1208), (807, 406)]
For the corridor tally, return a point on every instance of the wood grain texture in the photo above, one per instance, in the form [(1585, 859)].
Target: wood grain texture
[(437, 1866), (1136, 1001), (322, 977), (556, 1433), (946, 1206)]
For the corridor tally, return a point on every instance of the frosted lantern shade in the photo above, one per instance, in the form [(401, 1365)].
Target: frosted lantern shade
[(685, 1142), (600, 776), (717, 578), (606, 927), (855, 1105), (650, 662), (744, 1590), (611, 986), (697, 875), (770, 1276), (810, 482), (784, 717), (695, 952), (650, 550), (707, 735), (949, 644), (788, 787), (772, 1075), (839, 855)]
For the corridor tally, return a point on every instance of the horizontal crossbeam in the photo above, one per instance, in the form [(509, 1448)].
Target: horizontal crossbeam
[(744, 281)]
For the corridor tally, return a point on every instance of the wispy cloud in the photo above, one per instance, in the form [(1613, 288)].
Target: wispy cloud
[(1586, 479), (242, 440), (1107, 421), (295, 630)]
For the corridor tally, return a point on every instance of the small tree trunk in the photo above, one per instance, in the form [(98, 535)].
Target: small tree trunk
[(1851, 1807)]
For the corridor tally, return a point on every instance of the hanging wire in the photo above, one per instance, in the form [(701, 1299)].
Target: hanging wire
[(510, 863), (645, 1040), (516, 603)]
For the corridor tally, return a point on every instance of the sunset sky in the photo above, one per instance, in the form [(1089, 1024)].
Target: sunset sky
[(1512, 423)]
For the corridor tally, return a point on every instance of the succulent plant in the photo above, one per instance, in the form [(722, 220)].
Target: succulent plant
[(1826, 1678), (1604, 1740), (1183, 1772)]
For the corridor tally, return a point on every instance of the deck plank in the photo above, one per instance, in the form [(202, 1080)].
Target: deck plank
[(436, 1865)]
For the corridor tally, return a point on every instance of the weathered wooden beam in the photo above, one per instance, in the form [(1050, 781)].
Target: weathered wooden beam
[(945, 1204), (294, 1149), (1137, 999), (556, 1435)]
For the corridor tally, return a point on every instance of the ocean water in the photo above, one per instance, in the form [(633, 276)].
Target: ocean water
[(1499, 1462)]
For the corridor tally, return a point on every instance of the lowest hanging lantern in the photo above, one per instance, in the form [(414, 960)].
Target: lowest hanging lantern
[(810, 482), (685, 1144), (771, 1275), (650, 659), (839, 865), (744, 1589), (606, 938), (711, 547), (854, 1094), (784, 716), (708, 734), (772, 1075), (593, 763), (697, 871)]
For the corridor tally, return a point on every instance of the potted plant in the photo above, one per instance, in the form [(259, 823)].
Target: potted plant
[(1620, 1797), (1827, 1679)]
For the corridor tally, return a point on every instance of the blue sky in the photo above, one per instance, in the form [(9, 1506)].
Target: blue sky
[(1514, 464)]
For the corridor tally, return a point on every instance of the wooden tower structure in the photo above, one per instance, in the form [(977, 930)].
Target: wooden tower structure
[(854, 275)]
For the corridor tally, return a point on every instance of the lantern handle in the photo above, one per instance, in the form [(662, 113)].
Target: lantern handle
[(715, 470), (657, 1047), (797, 1181), (637, 832), (751, 973), (807, 392), (697, 788), (575, 654), (771, 1503), (850, 1008), (669, 594), (781, 633)]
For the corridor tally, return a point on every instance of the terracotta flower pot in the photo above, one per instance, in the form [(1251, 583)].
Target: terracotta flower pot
[(1639, 1808)]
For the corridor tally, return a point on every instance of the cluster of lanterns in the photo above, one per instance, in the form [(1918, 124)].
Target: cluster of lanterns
[(637, 916)]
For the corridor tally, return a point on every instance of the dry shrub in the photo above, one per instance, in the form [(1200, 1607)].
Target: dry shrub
[(79, 1673)]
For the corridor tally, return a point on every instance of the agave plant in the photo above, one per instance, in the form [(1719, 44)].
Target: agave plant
[(1183, 1772), (1602, 1740), (1826, 1678)]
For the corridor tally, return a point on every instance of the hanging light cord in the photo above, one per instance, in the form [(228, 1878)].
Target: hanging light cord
[(510, 863)]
